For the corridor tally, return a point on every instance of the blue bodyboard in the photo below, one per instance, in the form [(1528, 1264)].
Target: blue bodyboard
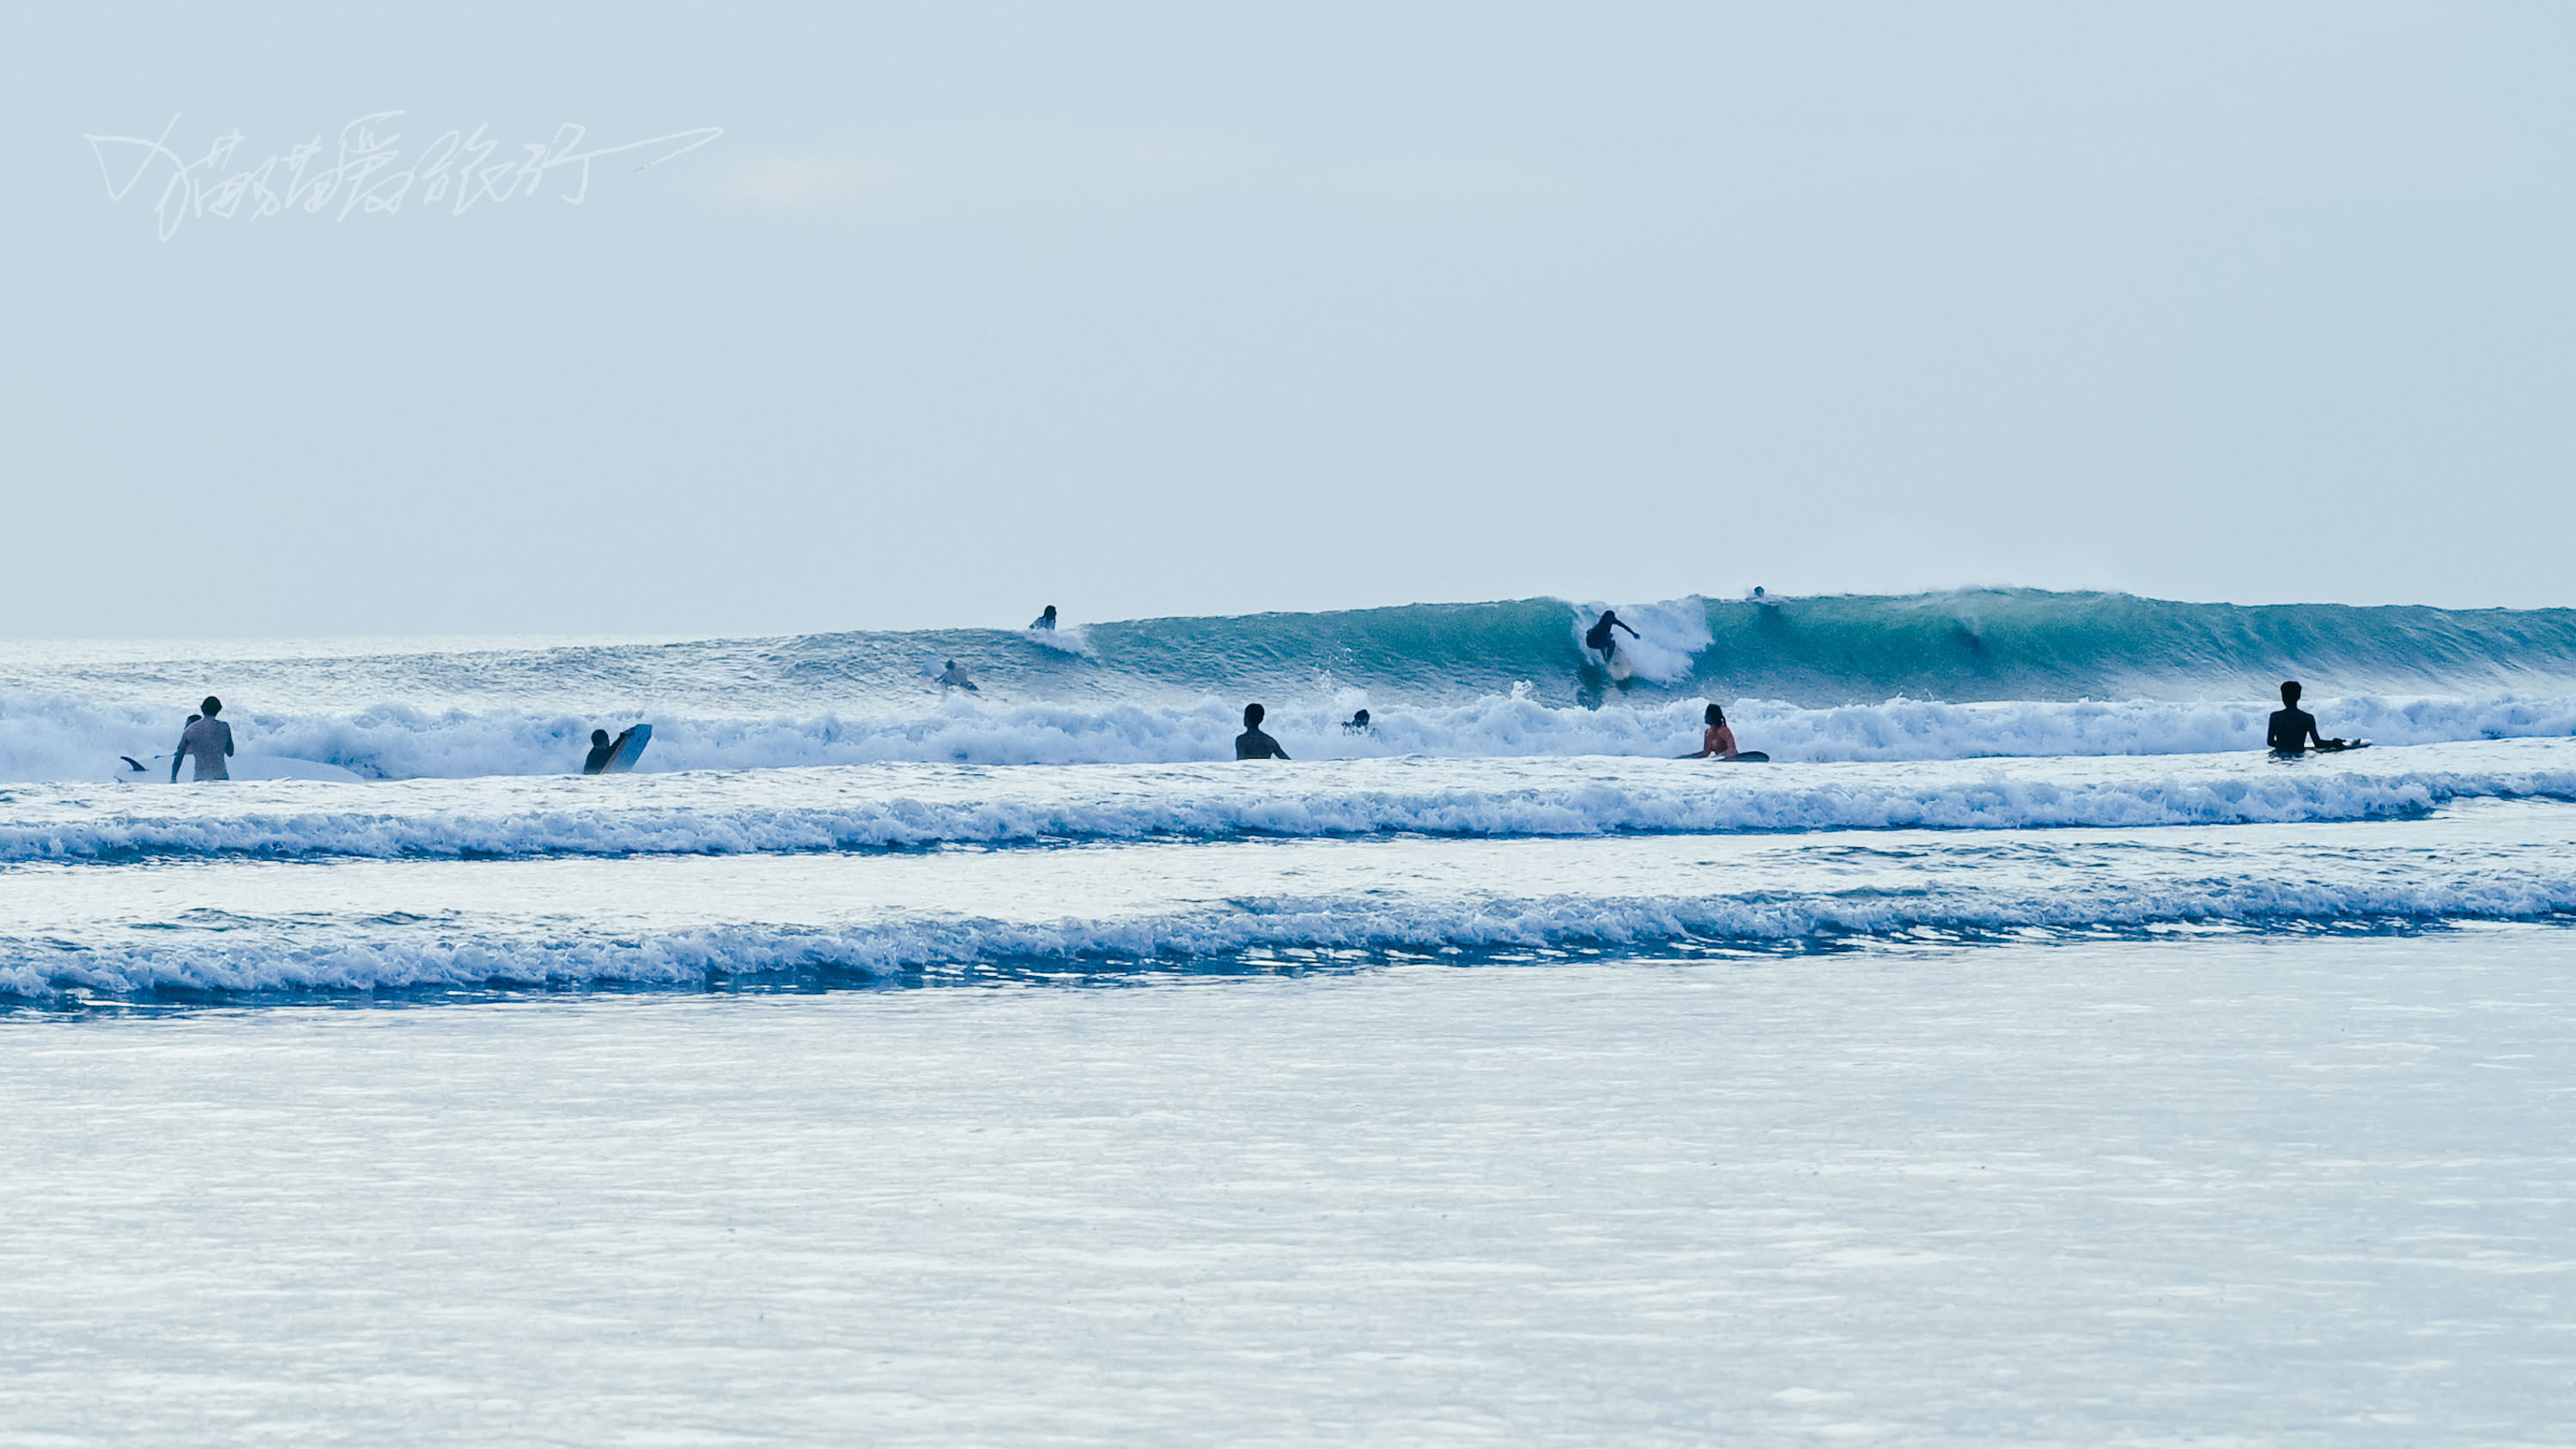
[(630, 749)]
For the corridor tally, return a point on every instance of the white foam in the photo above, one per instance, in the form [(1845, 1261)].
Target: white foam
[(1670, 635), (449, 958), (50, 736), (897, 806)]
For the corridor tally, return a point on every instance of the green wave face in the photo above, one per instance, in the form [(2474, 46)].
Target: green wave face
[(1987, 644), (1964, 646)]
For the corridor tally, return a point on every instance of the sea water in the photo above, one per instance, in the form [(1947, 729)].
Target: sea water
[(883, 1065)]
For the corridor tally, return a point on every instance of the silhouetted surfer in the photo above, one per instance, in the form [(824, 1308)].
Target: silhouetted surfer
[(956, 678), (1357, 724), (1600, 640), (208, 740), (2293, 728), (1045, 620), (602, 750), (1252, 744)]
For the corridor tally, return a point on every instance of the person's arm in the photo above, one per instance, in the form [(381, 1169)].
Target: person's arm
[(228, 741), (177, 755), (1622, 623)]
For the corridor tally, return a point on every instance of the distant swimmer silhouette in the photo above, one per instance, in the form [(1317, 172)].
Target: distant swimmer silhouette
[(602, 751), (2294, 728), (1045, 620), (956, 678), (1601, 641), (1357, 724), (207, 740), (1252, 744)]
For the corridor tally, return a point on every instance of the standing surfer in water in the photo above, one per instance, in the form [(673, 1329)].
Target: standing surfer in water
[(1252, 744), (1718, 740), (209, 740), (1601, 641), (602, 750), (2293, 728)]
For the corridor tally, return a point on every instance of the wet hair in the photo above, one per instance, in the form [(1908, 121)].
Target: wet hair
[(599, 737), (192, 719), (1050, 611), (1360, 718), (2289, 691), (212, 706), (1715, 715), (1252, 714)]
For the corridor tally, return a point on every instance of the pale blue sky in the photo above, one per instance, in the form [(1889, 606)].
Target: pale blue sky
[(1154, 309)]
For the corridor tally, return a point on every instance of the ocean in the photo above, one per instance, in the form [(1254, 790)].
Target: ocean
[(2023, 1055)]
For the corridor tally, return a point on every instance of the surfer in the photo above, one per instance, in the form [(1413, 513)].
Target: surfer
[(1600, 640), (2293, 727), (1252, 744), (956, 678), (602, 750), (1045, 620), (209, 740), (1718, 740), (1357, 724)]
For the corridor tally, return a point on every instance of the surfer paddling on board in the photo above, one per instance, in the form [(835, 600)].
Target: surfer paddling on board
[(956, 678), (1601, 641), (209, 740), (1045, 620), (1252, 744), (1718, 741), (2293, 728)]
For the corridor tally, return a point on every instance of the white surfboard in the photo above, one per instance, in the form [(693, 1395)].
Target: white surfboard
[(155, 770)]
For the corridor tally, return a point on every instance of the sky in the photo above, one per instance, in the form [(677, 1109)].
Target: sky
[(1160, 309)]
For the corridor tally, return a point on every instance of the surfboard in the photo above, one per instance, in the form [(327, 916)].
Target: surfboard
[(629, 750), (155, 770), (1621, 671), (2323, 747)]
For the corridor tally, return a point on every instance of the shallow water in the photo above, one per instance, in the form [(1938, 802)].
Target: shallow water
[(2257, 1189)]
